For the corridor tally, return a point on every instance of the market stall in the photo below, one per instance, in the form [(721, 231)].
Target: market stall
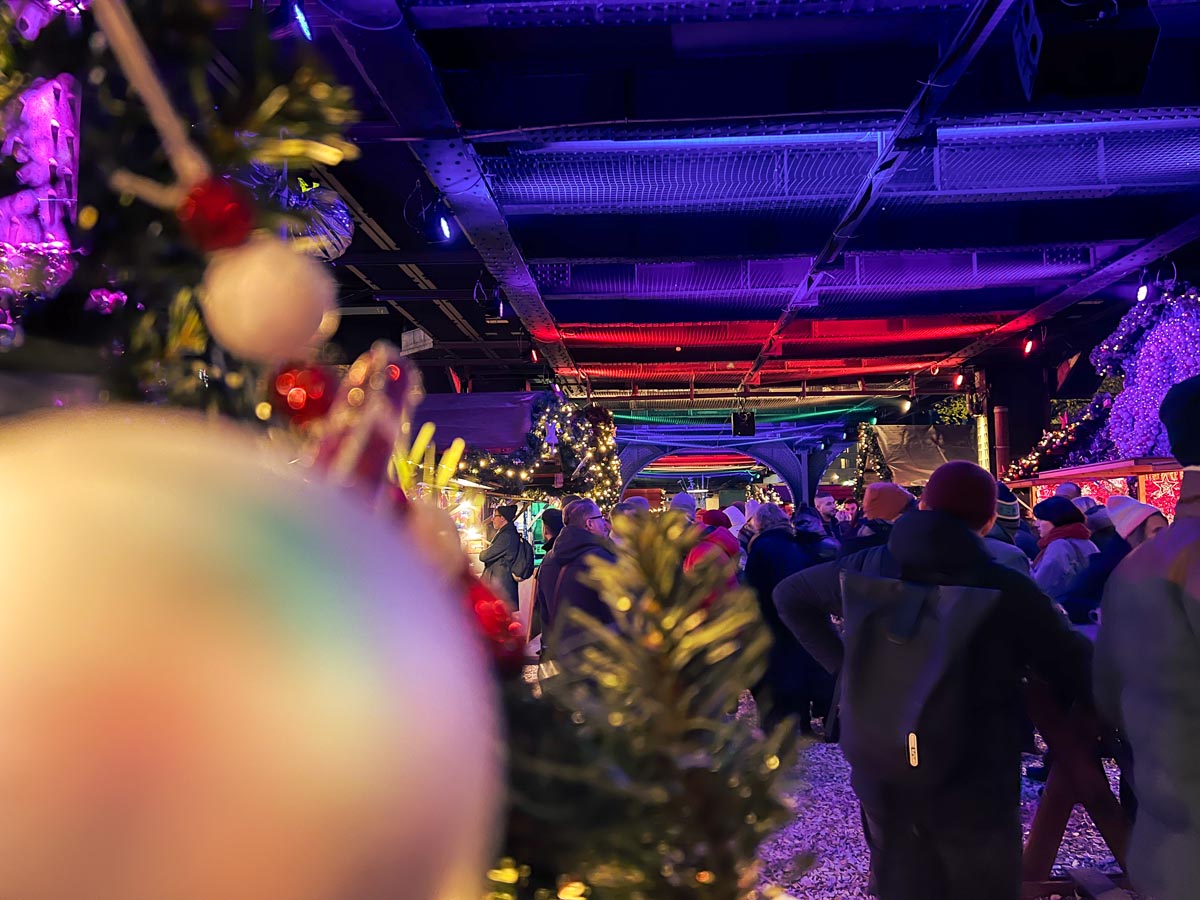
[(1153, 480)]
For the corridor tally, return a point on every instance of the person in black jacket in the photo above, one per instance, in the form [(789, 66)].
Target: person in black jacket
[(552, 526), (500, 556), (794, 684), (961, 838), (1133, 524), (1009, 527), (584, 538)]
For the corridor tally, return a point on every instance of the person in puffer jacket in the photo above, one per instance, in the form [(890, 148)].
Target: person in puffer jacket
[(1066, 545)]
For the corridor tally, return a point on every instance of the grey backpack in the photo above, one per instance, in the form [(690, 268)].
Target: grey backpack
[(904, 692)]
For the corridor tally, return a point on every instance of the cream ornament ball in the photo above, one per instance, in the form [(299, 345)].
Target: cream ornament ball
[(264, 301), (220, 681)]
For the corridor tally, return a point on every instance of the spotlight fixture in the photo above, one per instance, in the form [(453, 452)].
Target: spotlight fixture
[(439, 224), (1030, 345), (290, 20), (959, 379), (301, 19), (1143, 292), (906, 406), (433, 219), (533, 354)]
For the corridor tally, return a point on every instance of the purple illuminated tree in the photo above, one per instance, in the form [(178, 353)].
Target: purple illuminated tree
[(1154, 347)]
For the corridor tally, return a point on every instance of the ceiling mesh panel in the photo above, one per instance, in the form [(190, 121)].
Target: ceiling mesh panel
[(965, 166)]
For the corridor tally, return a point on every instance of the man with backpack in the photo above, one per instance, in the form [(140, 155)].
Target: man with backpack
[(937, 638), (509, 558)]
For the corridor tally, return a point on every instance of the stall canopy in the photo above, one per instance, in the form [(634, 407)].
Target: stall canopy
[(912, 452), (498, 423)]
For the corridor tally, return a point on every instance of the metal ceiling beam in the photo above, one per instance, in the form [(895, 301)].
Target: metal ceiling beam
[(401, 257), (406, 256), (907, 136), (507, 13), (1111, 272), (413, 98)]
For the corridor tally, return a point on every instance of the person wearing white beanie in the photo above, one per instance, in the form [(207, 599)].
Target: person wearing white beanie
[(1135, 522), (737, 517)]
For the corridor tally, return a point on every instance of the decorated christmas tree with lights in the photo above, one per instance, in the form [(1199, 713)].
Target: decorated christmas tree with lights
[(1153, 348), (174, 192), (629, 773)]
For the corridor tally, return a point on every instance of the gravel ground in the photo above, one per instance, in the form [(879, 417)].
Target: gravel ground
[(826, 835), (827, 827)]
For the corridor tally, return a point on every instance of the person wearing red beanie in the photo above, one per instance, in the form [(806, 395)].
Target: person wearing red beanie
[(965, 491), (950, 828), (718, 544)]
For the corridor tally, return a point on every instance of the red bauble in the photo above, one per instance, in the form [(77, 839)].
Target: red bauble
[(303, 393), (217, 214), (497, 626)]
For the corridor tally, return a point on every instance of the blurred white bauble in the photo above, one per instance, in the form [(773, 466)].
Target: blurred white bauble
[(264, 301), (218, 681)]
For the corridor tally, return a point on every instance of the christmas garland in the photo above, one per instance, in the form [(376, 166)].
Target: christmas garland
[(582, 444), (1057, 443), (155, 195), (870, 458)]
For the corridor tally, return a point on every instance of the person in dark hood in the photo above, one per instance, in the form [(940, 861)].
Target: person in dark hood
[(883, 503), (1148, 670), (794, 684), (552, 526), (500, 556), (1010, 527), (561, 584), (960, 835)]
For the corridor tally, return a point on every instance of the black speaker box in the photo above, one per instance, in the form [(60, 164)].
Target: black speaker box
[(743, 423), (1084, 48)]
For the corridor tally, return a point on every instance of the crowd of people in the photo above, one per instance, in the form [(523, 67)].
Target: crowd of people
[(908, 629)]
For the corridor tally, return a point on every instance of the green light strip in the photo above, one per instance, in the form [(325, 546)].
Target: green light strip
[(682, 417)]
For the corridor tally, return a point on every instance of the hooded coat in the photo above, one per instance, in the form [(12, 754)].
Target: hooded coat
[(561, 587), (498, 560), (1148, 684), (1004, 550), (1023, 630)]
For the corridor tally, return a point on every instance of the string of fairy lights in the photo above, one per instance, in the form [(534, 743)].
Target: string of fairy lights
[(579, 445)]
